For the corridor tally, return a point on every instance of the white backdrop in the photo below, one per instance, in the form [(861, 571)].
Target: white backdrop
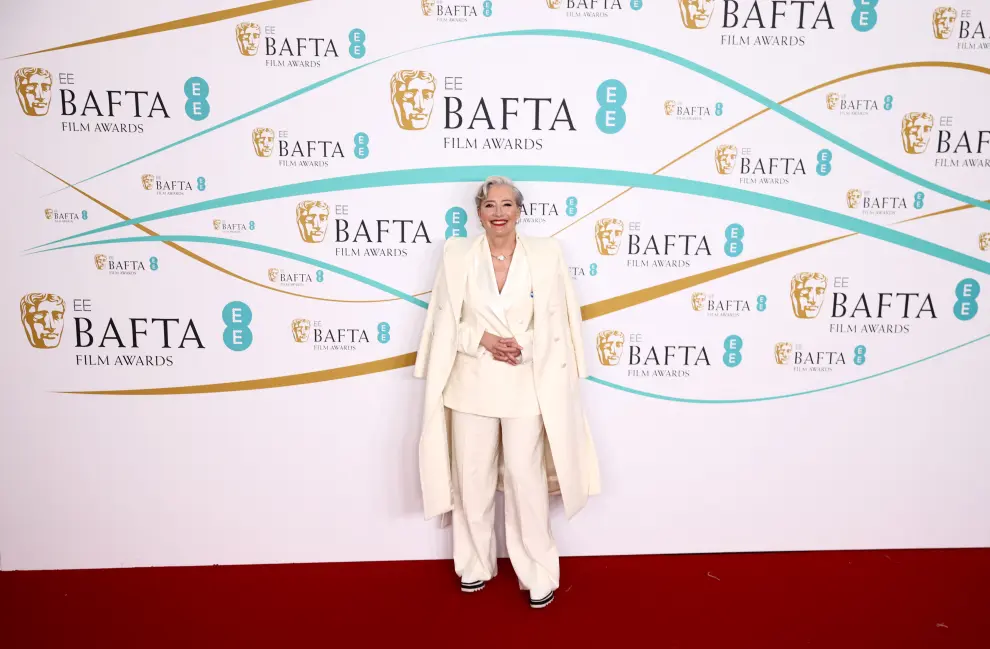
[(767, 417)]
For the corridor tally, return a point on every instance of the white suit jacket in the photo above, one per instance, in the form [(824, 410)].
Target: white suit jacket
[(479, 384)]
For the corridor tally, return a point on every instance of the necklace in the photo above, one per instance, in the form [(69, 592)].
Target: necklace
[(502, 257)]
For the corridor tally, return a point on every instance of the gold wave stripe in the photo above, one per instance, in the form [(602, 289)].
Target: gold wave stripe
[(861, 73), (203, 260), (346, 372), (181, 23)]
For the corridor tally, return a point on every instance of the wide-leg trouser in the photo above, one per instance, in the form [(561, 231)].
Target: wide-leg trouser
[(528, 537)]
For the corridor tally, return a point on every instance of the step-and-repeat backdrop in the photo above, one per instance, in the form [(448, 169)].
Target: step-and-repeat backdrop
[(222, 224)]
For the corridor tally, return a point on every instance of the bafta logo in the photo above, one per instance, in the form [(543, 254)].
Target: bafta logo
[(311, 217), (264, 141), (49, 213), (216, 224), (668, 106), (985, 241), (34, 90), (100, 261), (943, 19), (300, 330), (696, 14), (412, 98), (782, 353), (608, 231), (248, 38), (427, 6), (832, 100), (273, 274), (725, 158), (553, 4), (808, 294), (852, 198), (42, 316), (697, 301), (148, 181), (916, 131), (609, 345)]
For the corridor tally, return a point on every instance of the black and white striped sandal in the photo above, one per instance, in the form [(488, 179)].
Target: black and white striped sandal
[(541, 602), (471, 587)]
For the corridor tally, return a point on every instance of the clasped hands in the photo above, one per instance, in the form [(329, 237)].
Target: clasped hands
[(506, 350)]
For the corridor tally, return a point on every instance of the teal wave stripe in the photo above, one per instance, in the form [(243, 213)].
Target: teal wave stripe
[(653, 395), (748, 92), (566, 175), (234, 243), (612, 40)]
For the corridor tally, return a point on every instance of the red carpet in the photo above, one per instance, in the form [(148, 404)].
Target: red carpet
[(835, 600)]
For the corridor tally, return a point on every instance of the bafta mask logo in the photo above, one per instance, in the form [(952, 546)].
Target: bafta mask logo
[(300, 330), (782, 353), (668, 106), (264, 141), (609, 345), (832, 100), (608, 231), (943, 19), (852, 198), (273, 274), (916, 131), (49, 213), (553, 4), (100, 261), (34, 90), (696, 14), (725, 158), (985, 241), (311, 217), (148, 181), (42, 316), (412, 98), (248, 38), (808, 294), (216, 224), (697, 301), (427, 6)]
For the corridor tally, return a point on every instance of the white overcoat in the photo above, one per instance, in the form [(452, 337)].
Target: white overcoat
[(558, 364)]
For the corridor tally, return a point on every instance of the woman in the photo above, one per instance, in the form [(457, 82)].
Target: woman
[(501, 352)]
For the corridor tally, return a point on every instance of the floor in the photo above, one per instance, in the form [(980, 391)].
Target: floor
[(838, 600)]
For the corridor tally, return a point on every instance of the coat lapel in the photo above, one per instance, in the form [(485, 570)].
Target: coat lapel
[(541, 272), (456, 267)]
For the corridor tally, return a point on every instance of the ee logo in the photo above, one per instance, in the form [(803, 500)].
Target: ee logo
[(361, 150), (197, 90), (864, 16), (733, 240), (237, 334), (966, 307), (357, 48), (571, 203), (824, 167), (611, 117), (486, 8), (153, 263), (859, 354), (383, 332), (733, 351), (85, 215), (456, 219), (919, 200)]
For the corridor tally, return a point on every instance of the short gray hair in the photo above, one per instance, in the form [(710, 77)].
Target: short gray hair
[(492, 181)]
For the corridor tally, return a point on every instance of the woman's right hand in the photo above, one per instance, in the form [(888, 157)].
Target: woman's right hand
[(506, 350)]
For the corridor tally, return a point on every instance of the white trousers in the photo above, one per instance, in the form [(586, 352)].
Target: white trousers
[(528, 538)]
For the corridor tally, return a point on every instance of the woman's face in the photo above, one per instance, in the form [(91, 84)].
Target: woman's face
[(499, 211)]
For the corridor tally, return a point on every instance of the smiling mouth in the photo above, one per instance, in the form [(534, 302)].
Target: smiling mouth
[(499, 222)]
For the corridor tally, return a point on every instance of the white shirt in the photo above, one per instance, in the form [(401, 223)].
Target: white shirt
[(479, 384)]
